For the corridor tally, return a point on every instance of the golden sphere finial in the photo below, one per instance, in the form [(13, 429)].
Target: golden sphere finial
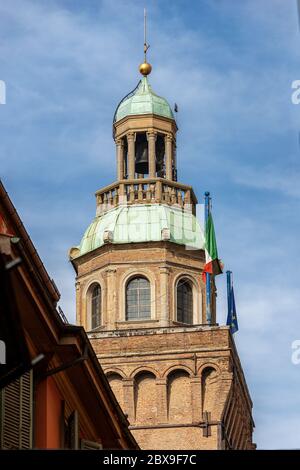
[(145, 68)]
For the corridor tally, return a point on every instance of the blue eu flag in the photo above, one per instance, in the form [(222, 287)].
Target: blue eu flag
[(231, 317)]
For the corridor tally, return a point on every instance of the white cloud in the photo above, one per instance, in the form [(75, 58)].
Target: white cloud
[(285, 181)]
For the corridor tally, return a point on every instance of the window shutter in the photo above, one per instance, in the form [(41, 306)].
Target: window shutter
[(73, 430), (10, 419), (90, 445), (16, 413), (26, 405)]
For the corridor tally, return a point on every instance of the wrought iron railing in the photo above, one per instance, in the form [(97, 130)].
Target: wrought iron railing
[(62, 315)]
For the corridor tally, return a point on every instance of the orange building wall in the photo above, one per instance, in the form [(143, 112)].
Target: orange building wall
[(48, 415)]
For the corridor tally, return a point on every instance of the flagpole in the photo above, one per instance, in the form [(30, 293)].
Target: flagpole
[(228, 273), (208, 283)]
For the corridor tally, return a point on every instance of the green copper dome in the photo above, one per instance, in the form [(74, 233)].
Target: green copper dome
[(143, 101), (142, 223)]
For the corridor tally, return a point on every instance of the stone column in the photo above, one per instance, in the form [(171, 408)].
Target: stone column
[(164, 296), (111, 312), (128, 389), (169, 156), (151, 136), (162, 401), (174, 159), (131, 155), (120, 159)]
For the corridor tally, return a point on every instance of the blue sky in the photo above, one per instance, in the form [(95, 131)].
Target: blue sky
[(229, 66)]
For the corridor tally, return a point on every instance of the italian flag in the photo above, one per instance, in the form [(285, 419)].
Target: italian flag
[(212, 263)]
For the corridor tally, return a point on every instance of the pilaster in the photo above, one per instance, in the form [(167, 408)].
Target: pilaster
[(164, 296), (196, 399), (128, 389), (111, 312), (162, 401)]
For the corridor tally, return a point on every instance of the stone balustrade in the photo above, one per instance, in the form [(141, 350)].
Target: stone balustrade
[(146, 191)]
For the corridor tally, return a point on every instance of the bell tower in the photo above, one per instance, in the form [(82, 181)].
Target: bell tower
[(141, 298), (146, 146)]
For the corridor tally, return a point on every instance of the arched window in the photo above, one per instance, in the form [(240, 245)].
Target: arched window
[(95, 306), (184, 302), (138, 305)]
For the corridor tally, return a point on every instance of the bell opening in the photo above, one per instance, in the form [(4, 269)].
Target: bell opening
[(141, 154), (160, 156)]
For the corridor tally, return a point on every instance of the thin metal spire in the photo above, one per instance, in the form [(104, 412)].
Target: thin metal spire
[(145, 68), (146, 46)]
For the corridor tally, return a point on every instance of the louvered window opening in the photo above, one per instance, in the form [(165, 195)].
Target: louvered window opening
[(16, 413), (71, 431), (90, 445), (138, 302)]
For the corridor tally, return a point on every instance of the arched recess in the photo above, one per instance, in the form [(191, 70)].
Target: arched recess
[(177, 367), (145, 398), (140, 369), (209, 385), (179, 397), (116, 383)]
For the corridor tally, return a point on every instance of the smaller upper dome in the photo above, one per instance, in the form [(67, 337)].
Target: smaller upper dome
[(143, 101)]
